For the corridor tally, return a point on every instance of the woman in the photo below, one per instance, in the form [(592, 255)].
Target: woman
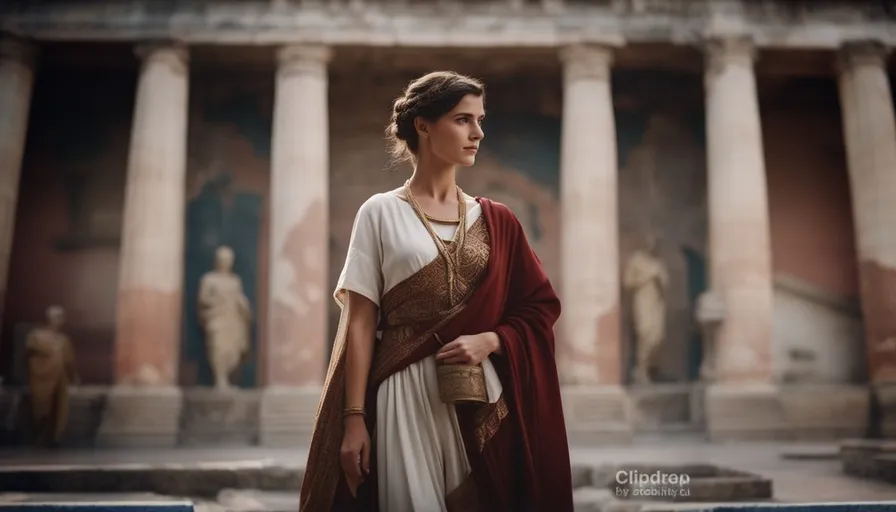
[(456, 405)]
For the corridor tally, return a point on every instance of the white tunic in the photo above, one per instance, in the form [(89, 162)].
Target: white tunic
[(420, 451)]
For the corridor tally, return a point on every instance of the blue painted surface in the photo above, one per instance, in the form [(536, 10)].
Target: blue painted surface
[(630, 128), (218, 216), (248, 115), (803, 507), (179, 506), (529, 143)]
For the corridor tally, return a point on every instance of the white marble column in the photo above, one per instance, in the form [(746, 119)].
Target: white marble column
[(870, 134), (739, 237), (16, 80), (589, 351), (296, 347), (144, 407)]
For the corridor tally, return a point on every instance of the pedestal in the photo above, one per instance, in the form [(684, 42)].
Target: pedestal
[(597, 414), (140, 417), (287, 415), (799, 412), (219, 416)]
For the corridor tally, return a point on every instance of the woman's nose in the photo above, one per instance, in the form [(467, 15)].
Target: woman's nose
[(478, 133)]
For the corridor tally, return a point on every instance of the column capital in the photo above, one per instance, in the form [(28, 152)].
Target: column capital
[(175, 54), (857, 53), (586, 61), (312, 59), (723, 50), (18, 50)]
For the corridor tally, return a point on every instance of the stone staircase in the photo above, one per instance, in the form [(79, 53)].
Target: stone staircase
[(274, 486)]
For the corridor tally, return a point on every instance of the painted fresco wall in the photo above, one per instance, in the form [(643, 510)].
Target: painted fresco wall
[(228, 177), (817, 324), (662, 191), (69, 213)]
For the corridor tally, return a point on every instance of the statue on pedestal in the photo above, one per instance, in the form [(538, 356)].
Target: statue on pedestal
[(225, 316), (51, 368), (646, 279)]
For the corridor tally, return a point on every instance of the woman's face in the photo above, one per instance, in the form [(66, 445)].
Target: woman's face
[(455, 137)]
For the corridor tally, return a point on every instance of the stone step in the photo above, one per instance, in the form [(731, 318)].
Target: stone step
[(869, 458), (254, 500), (885, 468), (771, 507), (93, 502), (199, 480), (265, 485)]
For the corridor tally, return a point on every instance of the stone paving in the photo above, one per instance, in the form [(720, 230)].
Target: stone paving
[(801, 473)]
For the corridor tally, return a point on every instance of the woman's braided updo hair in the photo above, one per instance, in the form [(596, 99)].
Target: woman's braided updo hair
[(430, 97)]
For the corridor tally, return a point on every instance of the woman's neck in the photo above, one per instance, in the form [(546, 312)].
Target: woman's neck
[(435, 181)]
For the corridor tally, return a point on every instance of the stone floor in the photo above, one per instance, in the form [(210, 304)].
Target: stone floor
[(800, 473)]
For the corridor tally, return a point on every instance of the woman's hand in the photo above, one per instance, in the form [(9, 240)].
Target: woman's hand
[(469, 349), (355, 452)]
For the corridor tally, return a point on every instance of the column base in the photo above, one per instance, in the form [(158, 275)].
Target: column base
[(597, 414), (790, 412), (287, 415), (140, 417)]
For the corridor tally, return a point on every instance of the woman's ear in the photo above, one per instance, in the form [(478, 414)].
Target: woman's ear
[(422, 127)]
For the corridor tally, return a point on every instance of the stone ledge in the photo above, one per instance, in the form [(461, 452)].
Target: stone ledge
[(140, 417), (79, 506), (200, 479), (770, 412), (707, 483), (286, 416), (213, 417), (597, 414), (868, 458), (657, 407), (884, 396), (774, 507), (373, 25)]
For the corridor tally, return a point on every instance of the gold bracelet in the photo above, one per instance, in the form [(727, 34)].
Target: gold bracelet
[(349, 411)]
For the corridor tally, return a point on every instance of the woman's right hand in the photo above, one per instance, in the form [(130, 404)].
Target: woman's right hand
[(355, 452)]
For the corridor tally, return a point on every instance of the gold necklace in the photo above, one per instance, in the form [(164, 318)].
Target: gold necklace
[(441, 219), (459, 238)]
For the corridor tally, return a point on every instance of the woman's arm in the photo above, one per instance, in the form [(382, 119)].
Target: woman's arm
[(362, 322), (355, 451)]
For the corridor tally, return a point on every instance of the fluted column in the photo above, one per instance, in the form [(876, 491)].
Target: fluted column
[(870, 135), (739, 237), (296, 351), (16, 81), (589, 351), (145, 406)]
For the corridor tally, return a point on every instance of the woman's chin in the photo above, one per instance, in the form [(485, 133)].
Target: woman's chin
[(466, 160)]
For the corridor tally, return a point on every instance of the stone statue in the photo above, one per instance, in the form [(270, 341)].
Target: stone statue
[(647, 280), (225, 316), (51, 369), (710, 314)]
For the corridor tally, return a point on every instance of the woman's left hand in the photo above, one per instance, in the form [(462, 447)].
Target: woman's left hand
[(469, 349)]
